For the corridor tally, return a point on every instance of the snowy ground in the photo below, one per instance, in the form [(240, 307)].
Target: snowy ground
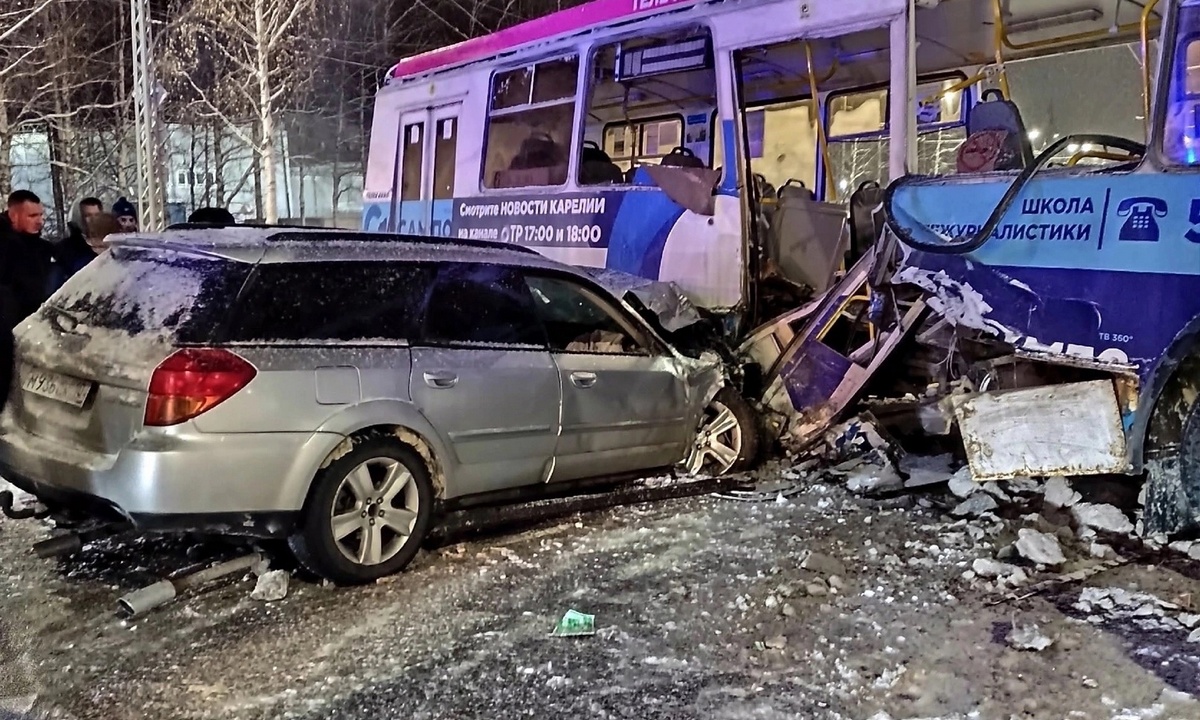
[(820, 605)]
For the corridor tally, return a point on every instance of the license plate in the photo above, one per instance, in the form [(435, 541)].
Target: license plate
[(56, 387)]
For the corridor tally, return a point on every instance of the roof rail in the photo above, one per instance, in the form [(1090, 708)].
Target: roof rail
[(263, 226), (314, 232)]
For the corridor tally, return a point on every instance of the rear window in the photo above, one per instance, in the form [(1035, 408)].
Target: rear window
[(331, 302), (160, 293)]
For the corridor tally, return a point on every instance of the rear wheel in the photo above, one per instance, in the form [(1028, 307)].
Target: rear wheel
[(728, 438), (367, 514)]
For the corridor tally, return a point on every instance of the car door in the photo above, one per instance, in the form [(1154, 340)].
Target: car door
[(484, 378), (624, 404)]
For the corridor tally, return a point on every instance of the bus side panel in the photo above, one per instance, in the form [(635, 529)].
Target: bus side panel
[(380, 180), (1102, 267), (640, 231)]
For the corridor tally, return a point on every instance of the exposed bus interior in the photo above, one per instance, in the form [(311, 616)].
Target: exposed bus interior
[(650, 102)]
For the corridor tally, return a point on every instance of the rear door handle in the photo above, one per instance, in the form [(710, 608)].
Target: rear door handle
[(583, 379), (441, 380)]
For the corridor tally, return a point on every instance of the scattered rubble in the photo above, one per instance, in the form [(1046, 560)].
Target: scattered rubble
[(1060, 494), (962, 485), (986, 568), (870, 479), (976, 505), (1146, 611), (1039, 548), (1028, 637), (822, 564), (271, 586), (1102, 517)]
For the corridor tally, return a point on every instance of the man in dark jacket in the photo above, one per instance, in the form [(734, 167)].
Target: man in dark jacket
[(73, 252), (27, 266), (26, 272)]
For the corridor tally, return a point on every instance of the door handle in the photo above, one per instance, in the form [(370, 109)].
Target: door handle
[(583, 379), (441, 380)]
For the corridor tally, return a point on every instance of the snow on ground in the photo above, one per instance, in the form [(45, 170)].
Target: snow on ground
[(811, 603)]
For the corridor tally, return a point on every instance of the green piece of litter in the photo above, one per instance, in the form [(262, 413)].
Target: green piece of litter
[(575, 624)]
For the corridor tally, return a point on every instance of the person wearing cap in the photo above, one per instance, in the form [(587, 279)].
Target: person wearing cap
[(126, 215)]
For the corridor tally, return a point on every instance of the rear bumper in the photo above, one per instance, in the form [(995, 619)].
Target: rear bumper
[(250, 483)]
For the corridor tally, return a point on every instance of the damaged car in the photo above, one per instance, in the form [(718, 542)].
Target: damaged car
[(340, 390)]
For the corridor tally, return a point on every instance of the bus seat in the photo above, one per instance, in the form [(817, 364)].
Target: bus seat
[(597, 168), (866, 223), (683, 157), (539, 161), (996, 137), (807, 239)]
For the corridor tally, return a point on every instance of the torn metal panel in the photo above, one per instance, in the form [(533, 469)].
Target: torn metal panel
[(766, 345), (812, 383), (1071, 429), (691, 188)]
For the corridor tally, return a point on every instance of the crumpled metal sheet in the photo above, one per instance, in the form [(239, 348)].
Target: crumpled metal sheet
[(665, 299)]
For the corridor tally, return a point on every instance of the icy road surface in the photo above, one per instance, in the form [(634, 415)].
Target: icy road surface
[(815, 606)]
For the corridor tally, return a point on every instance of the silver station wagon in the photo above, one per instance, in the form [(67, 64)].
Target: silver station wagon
[(337, 389)]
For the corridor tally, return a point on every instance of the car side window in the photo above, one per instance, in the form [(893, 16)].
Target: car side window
[(579, 321), (480, 304), (344, 301)]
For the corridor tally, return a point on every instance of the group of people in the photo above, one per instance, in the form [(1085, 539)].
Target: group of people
[(32, 267)]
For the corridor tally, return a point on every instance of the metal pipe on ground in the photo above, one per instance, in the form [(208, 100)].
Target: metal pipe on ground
[(73, 542), (162, 592)]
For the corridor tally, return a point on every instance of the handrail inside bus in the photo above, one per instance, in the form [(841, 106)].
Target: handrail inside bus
[(1062, 40), (1000, 35), (1147, 12), (822, 140)]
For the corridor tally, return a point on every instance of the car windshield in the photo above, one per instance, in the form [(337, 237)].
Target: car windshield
[(176, 297)]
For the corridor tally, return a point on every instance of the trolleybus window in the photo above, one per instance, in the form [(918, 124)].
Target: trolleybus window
[(529, 132), (1181, 136), (641, 141), (641, 91), (858, 142)]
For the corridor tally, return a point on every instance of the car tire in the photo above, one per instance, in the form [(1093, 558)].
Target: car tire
[(729, 438), (353, 526)]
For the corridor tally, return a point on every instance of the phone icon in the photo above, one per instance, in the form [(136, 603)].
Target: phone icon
[(1141, 225)]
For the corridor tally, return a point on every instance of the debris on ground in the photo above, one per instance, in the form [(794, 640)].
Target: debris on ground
[(871, 479), (1102, 517), (1028, 637), (962, 485), (575, 624), (1060, 494), (1144, 610), (925, 470), (271, 586), (976, 505), (1039, 548)]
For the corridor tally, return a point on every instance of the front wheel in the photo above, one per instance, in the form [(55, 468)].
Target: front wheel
[(728, 438), (367, 514)]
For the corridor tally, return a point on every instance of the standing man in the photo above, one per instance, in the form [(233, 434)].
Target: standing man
[(74, 251), (26, 260), (126, 215), (26, 271)]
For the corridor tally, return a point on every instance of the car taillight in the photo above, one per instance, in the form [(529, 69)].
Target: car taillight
[(193, 381)]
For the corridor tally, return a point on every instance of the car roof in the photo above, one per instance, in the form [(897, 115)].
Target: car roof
[(295, 245)]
